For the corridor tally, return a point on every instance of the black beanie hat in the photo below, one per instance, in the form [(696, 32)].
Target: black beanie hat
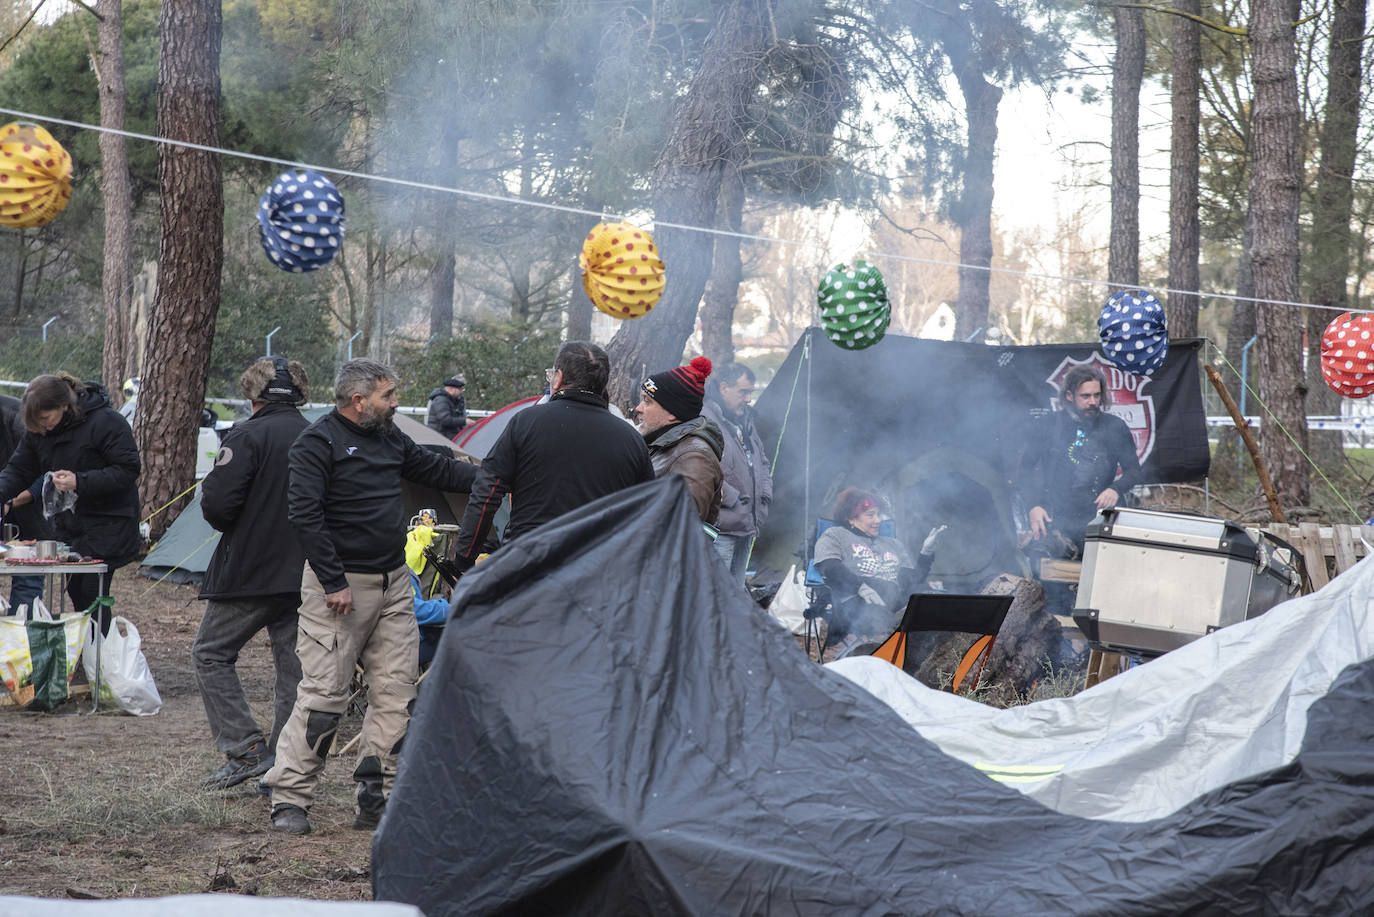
[(680, 390), (281, 389)]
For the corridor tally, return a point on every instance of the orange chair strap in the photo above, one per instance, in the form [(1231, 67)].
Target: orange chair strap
[(982, 647)]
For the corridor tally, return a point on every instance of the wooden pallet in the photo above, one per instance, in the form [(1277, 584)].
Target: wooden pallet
[(1327, 550)]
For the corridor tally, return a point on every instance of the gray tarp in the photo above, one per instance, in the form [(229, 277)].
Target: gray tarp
[(1140, 745), (611, 726)]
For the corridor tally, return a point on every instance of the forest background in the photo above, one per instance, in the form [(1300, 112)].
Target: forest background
[(477, 141)]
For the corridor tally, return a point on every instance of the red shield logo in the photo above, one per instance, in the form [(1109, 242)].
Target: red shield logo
[(1129, 401)]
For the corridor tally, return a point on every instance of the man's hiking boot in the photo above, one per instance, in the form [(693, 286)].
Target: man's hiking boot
[(290, 819), (253, 763), (370, 808)]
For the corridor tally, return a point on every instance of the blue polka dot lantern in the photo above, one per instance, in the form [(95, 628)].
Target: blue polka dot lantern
[(855, 310), (301, 219), (1132, 330)]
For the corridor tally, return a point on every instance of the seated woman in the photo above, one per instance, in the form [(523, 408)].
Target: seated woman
[(870, 576)]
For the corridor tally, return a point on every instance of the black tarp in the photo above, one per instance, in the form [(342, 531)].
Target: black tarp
[(835, 418), (611, 726)]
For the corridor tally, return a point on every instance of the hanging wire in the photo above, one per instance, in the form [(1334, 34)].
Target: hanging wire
[(601, 215), (1277, 423)]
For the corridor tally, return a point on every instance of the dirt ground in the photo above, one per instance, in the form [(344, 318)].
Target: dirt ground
[(107, 805)]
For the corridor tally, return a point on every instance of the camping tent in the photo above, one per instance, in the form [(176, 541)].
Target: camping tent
[(938, 428), (478, 438), (183, 552), (611, 726)]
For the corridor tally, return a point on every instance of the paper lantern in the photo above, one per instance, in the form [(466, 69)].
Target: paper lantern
[(301, 221), (1347, 357), (621, 271), (1134, 337), (855, 310), (35, 176)]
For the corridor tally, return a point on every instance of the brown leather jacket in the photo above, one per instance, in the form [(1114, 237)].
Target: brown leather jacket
[(692, 449)]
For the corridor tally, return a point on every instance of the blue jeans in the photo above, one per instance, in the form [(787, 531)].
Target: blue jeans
[(23, 590), (734, 550)]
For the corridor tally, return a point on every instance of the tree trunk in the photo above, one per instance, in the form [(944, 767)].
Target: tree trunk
[(974, 215), (708, 128), (727, 270), (1184, 238), (1328, 263), (1274, 192), (1226, 461), (580, 308), (118, 276), (1128, 69), (441, 278), (182, 324)]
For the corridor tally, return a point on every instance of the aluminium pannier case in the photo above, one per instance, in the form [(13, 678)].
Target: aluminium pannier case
[(1153, 581)]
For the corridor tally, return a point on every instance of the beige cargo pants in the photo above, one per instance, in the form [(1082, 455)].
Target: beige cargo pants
[(381, 633)]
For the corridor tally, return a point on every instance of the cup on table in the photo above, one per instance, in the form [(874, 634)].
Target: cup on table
[(46, 550)]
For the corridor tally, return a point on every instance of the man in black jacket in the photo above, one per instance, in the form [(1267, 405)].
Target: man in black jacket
[(1071, 469), (448, 411), (344, 500), (555, 457), (254, 578)]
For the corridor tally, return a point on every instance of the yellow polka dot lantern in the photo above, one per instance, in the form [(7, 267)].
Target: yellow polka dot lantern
[(621, 271), (35, 176)]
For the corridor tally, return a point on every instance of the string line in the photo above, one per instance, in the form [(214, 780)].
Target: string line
[(1307, 458), (601, 215)]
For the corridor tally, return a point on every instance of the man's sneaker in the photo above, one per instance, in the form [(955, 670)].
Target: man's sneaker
[(254, 763), (290, 819)]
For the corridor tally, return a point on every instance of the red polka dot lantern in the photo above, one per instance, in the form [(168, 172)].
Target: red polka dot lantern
[(621, 271), (35, 176), (1348, 355)]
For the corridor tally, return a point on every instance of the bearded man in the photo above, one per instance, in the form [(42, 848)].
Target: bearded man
[(1082, 462), (344, 501)]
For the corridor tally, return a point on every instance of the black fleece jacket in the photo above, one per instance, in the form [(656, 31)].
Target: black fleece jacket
[(344, 499), (551, 459), (97, 444), (244, 496)]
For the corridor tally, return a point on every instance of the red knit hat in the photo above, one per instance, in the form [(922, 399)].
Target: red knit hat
[(680, 390)]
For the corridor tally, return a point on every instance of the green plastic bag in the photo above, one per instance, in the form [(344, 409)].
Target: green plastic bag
[(48, 650)]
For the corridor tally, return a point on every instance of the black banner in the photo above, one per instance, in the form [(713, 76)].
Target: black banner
[(879, 417)]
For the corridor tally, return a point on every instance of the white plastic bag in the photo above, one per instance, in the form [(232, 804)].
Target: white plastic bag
[(125, 679), (791, 601)]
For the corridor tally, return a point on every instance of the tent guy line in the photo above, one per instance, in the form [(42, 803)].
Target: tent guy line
[(600, 215)]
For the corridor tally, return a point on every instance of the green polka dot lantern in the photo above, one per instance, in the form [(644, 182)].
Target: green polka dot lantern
[(855, 311)]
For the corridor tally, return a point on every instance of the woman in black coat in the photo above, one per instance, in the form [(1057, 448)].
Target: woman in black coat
[(75, 434)]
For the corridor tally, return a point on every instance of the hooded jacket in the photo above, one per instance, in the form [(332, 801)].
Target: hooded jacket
[(692, 449), (244, 496), (447, 414), (97, 444), (747, 490)]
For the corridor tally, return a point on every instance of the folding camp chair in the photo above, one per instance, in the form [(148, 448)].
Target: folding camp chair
[(968, 614), (820, 593)]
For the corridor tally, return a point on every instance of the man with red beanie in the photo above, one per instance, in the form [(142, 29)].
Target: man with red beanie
[(680, 440)]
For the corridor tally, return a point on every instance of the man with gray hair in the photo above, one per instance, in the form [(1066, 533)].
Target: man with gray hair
[(344, 501)]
